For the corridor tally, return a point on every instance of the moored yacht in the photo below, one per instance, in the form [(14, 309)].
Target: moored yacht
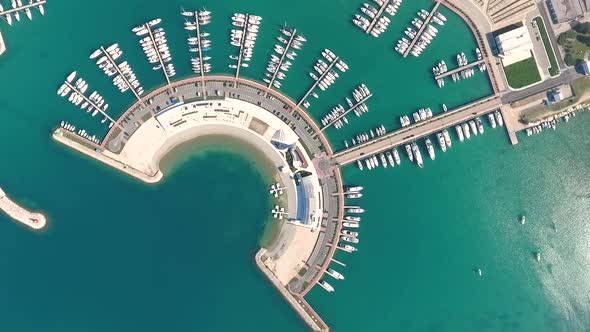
[(409, 152), (492, 120), (430, 148), (459, 131), (466, 130), (354, 189), (349, 248), (351, 224), (479, 125), (355, 210), (447, 138), (390, 158), (334, 274), (326, 286), (473, 127), (416, 151), (441, 142), (499, 119), (349, 239)]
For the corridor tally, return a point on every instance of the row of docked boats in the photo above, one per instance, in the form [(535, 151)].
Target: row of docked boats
[(75, 91), (337, 116), (244, 37), (383, 159), (198, 43), (80, 132), (325, 75), (551, 122), (424, 34), (277, 67), (462, 61), (440, 69), (155, 46), (374, 21), (123, 76), (475, 126), (347, 236), (18, 7), (352, 219)]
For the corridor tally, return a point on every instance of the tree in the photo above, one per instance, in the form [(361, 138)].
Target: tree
[(582, 27), (569, 59), (567, 36), (584, 39)]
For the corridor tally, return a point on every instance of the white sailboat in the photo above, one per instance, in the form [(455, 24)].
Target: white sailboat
[(16, 14)]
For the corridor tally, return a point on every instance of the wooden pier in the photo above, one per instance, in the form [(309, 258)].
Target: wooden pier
[(287, 47), (459, 69), (377, 16), (315, 84), (347, 111), (422, 28)]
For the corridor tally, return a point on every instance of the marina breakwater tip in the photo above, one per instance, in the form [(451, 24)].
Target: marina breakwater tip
[(33, 220)]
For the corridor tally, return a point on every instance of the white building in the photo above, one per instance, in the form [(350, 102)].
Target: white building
[(514, 46)]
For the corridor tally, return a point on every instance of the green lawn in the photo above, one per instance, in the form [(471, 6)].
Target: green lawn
[(522, 73), (554, 69)]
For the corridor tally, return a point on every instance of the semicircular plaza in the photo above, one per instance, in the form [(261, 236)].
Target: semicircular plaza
[(269, 121)]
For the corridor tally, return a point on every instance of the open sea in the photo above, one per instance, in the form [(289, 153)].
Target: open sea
[(119, 255)]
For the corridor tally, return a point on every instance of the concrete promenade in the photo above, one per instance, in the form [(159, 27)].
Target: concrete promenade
[(33, 220), (303, 309), (117, 146), (105, 156), (417, 130), (480, 27)]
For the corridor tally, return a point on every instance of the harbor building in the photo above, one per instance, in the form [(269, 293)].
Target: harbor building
[(585, 67), (514, 45)]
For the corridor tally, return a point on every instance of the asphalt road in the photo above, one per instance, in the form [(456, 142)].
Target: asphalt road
[(567, 76)]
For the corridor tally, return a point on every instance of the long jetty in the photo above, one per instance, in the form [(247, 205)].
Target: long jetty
[(242, 43), (287, 47), (33, 220), (114, 63), (422, 28), (92, 103), (347, 111), (377, 16), (315, 84), (19, 8), (200, 48), (417, 130), (155, 45), (459, 69)]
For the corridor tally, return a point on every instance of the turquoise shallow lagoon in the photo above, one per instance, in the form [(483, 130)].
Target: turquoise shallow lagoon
[(119, 255)]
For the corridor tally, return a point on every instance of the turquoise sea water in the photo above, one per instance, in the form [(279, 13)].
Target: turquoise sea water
[(119, 255)]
